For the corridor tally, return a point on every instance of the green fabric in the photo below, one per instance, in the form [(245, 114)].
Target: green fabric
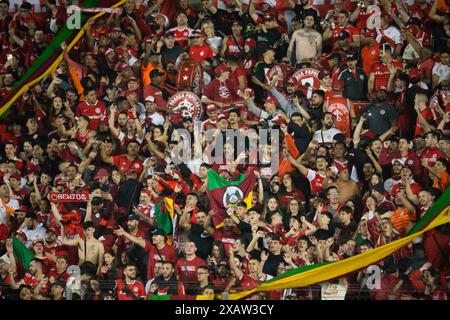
[(22, 253), (159, 297), (162, 217), (216, 182), (299, 270)]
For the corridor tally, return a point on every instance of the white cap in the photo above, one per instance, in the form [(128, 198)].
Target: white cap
[(150, 99)]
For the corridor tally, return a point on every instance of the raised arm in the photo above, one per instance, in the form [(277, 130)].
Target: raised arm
[(121, 232)]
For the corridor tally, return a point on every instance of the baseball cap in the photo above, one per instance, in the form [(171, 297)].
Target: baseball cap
[(122, 66), (59, 283), (101, 174), (397, 160), (150, 99), (40, 240), (133, 217), (109, 50), (323, 74), (31, 215), (166, 19), (22, 234), (15, 175), (169, 34), (292, 82), (159, 232), (133, 78), (156, 73), (336, 56), (23, 208), (338, 85), (25, 5), (413, 73), (221, 68), (250, 42), (352, 57), (211, 108), (221, 116), (271, 99), (197, 32)]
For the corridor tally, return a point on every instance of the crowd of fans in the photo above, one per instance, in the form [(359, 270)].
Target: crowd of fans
[(363, 149)]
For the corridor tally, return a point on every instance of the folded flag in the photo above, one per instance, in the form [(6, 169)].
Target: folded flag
[(164, 214), (223, 194)]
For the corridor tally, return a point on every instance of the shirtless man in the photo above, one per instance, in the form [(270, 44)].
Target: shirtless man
[(89, 248), (348, 189)]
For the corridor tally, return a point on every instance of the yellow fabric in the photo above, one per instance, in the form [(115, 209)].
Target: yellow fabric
[(337, 269), (169, 207)]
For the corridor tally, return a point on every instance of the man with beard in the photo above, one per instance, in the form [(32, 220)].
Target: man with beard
[(167, 283), (32, 229), (130, 289), (92, 108), (34, 277), (8, 80), (327, 133), (293, 100), (128, 163), (124, 242), (380, 115)]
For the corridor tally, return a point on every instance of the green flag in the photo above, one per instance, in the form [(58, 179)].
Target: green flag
[(164, 214), (22, 253)]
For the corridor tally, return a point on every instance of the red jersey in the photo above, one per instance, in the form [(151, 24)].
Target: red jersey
[(339, 106), (123, 243), (352, 31), (234, 48), (187, 270), (168, 253), (125, 164), (181, 35), (315, 180), (381, 72), (228, 238), (428, 115), (221, 91), (247, 282), (239, 72), (96, 113), (82, 137), (200, 53), (136, 288), (155, 92)]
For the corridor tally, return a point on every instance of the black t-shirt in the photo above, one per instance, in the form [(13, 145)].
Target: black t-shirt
[(202, 240), (272, 263), (170, 55)]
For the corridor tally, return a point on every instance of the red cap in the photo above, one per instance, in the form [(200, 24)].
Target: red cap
[(250, 91), (15, 175), (211, 108), (292, 82), (35, 242), (206, 123), (221, 116), (23, 208), (413, 73), (101, 173), (221, 68), (338, 85), (250, 42), (323, 74), (279, 120), (271, 100), (122, 67)]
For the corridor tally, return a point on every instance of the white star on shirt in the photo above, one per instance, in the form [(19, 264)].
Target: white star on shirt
[(185, 78), (202, 53)]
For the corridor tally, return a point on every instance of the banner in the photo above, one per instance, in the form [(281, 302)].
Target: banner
[(68, 197)]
